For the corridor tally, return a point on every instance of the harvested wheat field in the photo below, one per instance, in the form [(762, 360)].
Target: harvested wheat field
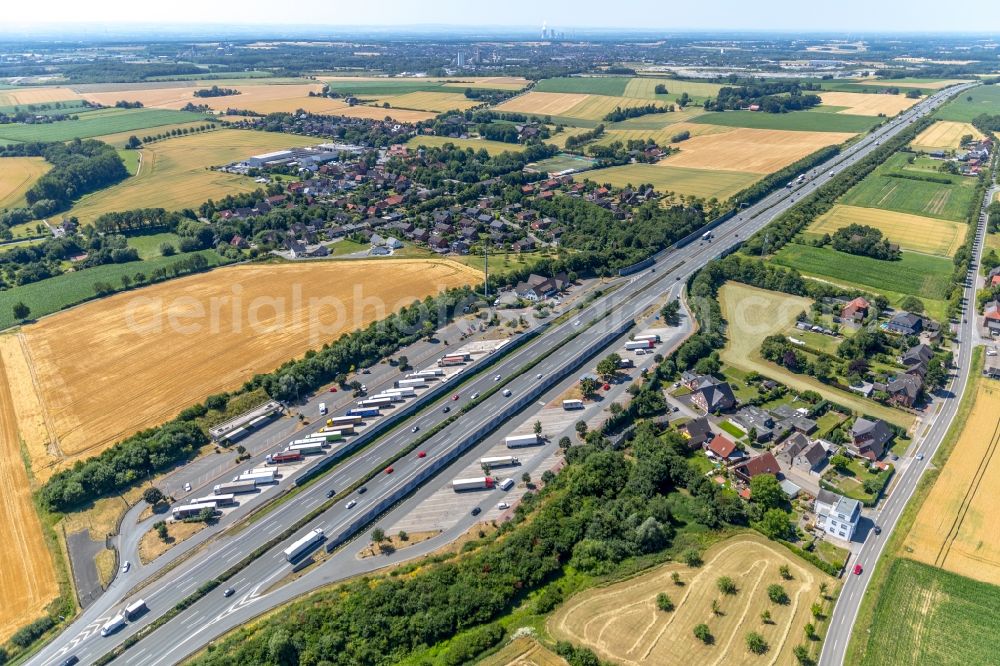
[(41, 95), (17, 175), (862, 104), (944, 135), (285, 96), (595, 107), (956, 527), (27, 573), (494, 82), (910, 232), (662, 136), (379, 113), (523, 652), (622, 623), (751, 150), (175, 172), (111, 367), (543, 103), (430, 101)]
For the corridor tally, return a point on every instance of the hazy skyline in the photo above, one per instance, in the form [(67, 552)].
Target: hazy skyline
[(728, 15)]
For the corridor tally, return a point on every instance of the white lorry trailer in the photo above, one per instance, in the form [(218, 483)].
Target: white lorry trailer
[(304, 544), (515, 441)]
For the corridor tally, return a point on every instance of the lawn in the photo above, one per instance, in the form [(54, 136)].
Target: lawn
[(910, 232), (921, 275), (148, 245), (562, 162), (732, 430), (96, 123), (704, 183), (985, 99), (851, 482), (131, 160), (888, 188), (926, 616), (491, 147), (613, 86), (799, 121), (62, 291), (828, 422)]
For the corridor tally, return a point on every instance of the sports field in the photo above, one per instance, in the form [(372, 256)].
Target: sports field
[(751, 315), (96, 123), (17, 175), (971, 103), (622, 623), (944, 135), (36, 95), (174, 172), (704, 183), (860, 104), (891, 187), (796, 121), (755, 151), (956, 526), (492, 147), (562, 162), (154, 351), (910, 232), (27, 573), (929, 617), (921, 275)]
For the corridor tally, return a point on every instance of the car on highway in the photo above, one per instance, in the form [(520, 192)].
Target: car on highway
[(506, 393), (454, 397), (446, 409), (496, 378), (362, 490), (70, 660), (351, 504), (187, 487), (857, 569), (421, 454), (476, 511), (576, 323), (878, 529), (330, 493), (503, 505), (228, 592), (538, 376), (473, 396), (126, 565), (920, 456), (388, 470), (415, 428)]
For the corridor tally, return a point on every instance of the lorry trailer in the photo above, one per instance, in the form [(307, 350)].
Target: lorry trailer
[(306, 448), (515, 441), (235, 487), (375, 402), (499, 461), (225, 499), (135, 609), (414, 382), (453, 359), (431, 372), (338, 421), (259, 479), (639, 344), (365, 412), (477, 483), (304, 544), (391, 397), (572, 404), (284, 457), (189, 510), (649, 336), (113, 625)]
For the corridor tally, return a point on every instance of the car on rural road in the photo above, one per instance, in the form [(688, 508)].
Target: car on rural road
[(126, 565), (857, 569)]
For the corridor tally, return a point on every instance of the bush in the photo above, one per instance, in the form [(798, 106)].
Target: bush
[(692, 557), (27, 635), (726, 585), (473, 643), (756, 643), (777, 594), (702, 633), (664, 603)]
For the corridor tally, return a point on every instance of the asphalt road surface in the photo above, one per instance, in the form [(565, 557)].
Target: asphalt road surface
[(215, 614)]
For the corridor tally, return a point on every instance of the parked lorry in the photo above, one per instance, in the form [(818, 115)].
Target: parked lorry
[(499, 461), (189, 510), (135, 609), (365, 412), (515, 441), (572, 404), (648, 336), (406, 391), (259, 479), (430, 373), (304, 544), (235, 488), (306, 448), (226, 499), (453, 359), (391, 397), (639, 344), (338, 421), (477, 483), (374, 402), (113, 625), (343, 429), (415, 382), (284, 457)]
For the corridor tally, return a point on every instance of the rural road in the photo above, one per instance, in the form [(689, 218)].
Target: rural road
[(214, 614), (846, 609)]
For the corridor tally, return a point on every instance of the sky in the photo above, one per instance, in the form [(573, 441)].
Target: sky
[(738, 15)]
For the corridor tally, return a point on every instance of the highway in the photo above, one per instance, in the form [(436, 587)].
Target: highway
[(601, 323), (845, 611)]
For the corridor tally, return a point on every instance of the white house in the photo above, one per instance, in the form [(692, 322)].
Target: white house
[(837, 515)]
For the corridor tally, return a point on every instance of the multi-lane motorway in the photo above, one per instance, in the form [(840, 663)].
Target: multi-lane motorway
[(596, 327), (846, 610)]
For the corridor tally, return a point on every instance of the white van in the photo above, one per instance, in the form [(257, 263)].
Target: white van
[(506, 484), (322, 408)]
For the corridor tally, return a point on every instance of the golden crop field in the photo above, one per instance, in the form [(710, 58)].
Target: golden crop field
[(595, 107), (542, 103), (27, 573), (752, 314), (17, 175), (523, 652), (757, 151), (39, 95), (862, 104), (662, 136), (944, 135), (643, 87), (277, 97), (378, 113), (154, 351), (621, 622), (175, 172), (494, 82), (430, 101), (956, 527), (704, 183), (910, 232)]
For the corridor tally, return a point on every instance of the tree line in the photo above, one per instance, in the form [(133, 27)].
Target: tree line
[(619, 114), (771, 97), (215, 91)]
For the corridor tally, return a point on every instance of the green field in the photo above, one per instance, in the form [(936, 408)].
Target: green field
[(985, 99), (68, 106), (613, 86), (148, 245), (62, 291), (492, 147), (388, 87), (799, 121), (916, 274), (95, 123), (562, 162), (929, 616), (131, 160), (881, 190), (704, 183)]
